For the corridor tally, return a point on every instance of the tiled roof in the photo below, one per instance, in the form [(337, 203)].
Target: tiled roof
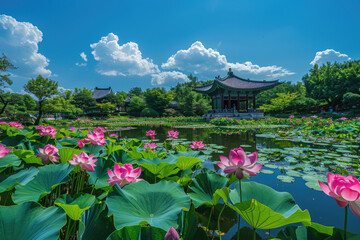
[(232, 82), (101, 92)]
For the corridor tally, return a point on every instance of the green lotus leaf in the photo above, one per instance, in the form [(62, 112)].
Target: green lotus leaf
[(100, 176), (48, 177), (138, 232), (265, 208), (201, 190), (9, 159), (266, 171), (315, 231), (74, 208), (163, 169), (185, 163), (67, 154), (157, 204), (190, 227), (19, 178), (95, 223), (284, 178), (31, 221)]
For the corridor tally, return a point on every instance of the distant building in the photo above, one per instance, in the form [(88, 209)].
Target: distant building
[(101, 92)]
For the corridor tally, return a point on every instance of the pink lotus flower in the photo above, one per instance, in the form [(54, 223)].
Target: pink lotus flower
[(4, 150), (99, 130), (303, 117), (150, 145), (16, 124), (86, 162), (72, 128), (88, 121), (173, 134), (95, 138), (124, 175), (113, 135), (239, 163), (291, 116), (3, 123), (172, 235), (81, 143), (345, 190), (343, 118), (47, 131), (197, 145), (151, 133), (80, 120), (314, 116), (48, 153)]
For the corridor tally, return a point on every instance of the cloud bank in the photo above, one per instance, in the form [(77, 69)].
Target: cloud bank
[(19, 42), (329, 55)]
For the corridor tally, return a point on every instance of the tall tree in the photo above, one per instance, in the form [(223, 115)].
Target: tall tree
[(330, 82), (5, 65), (42, 88), (158, 99), (136, 91)]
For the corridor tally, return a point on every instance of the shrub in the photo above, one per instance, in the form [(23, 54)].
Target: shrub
[(224, 121), (149, 112), (351, 99)]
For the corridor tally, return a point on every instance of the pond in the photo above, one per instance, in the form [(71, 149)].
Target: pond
[(323, 209)]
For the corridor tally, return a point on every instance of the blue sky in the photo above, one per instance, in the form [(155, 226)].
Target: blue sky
[(157, 43)]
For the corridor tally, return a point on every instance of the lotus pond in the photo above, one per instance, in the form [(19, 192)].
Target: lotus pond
[(90, 183)]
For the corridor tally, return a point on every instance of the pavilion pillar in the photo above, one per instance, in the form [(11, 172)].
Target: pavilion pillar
[(212, 102), (254, 105), (247, 101), (229, 101), (238, 102), (222, 101)]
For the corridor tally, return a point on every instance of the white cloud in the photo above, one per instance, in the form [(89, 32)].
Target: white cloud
[(80, 64), (83, 56), (207, 62), (121, 60), (168, 78), (19, 42), (329, 55)]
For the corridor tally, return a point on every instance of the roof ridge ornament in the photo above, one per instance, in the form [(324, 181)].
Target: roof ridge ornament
[(230, 73)]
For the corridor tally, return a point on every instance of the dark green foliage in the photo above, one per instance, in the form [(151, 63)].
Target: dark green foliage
[(136, 106), (331, 81), (351, 99), (82, 99), (158, 99), (149, 112), (42, 88)]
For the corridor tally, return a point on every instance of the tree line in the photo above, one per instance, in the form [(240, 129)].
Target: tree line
[(333, 85)]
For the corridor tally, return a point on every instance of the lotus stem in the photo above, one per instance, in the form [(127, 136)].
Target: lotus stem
[(207, 227), (254, 235), (240, 190), (219, 220), (345, 222), (238, 232)]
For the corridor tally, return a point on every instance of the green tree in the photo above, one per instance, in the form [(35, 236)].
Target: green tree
[(351, 99), (106, 107), (330, 82), (5, 65), (42, 88), (158, 99), (280, 103), (60, 105), (136, 91), (82, 98), (136, 105)]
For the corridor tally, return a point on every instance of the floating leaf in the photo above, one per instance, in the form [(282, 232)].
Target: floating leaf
[(74, 208)]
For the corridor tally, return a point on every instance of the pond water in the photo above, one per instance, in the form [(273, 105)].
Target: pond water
[(323, 209)]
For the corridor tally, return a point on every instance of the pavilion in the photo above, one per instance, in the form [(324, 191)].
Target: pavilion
[(233, 96)]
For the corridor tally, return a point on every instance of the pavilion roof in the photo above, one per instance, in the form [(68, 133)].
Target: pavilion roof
[(101, 92), (233, 82)]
